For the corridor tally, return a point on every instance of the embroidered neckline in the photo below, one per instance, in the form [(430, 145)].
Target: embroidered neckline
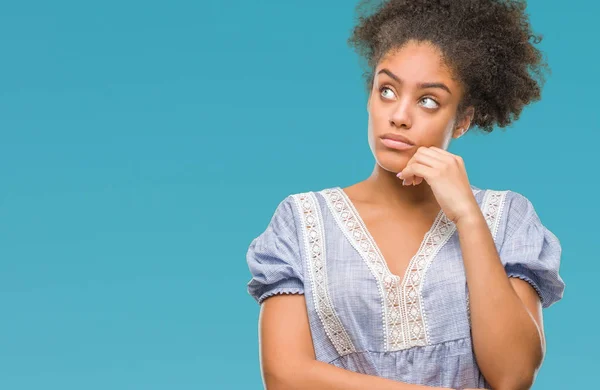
[(404, 319), (373, 243), (387, 285)]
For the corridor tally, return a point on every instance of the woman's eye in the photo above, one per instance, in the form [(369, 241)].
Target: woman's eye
[(432, 104), (383, 89)]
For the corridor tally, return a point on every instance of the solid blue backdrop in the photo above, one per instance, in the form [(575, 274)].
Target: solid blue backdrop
[(144, 144)]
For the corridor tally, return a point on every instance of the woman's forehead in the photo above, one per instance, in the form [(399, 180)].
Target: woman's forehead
[(415, 61), (416, 65)]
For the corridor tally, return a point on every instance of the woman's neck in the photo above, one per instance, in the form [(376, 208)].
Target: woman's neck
[(383, 187)]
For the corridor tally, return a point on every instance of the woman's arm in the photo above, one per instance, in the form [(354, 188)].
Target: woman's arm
[(506, 314), (288, 359), (506, 318)]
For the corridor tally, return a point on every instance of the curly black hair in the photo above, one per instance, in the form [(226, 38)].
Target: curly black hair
[(488, 45)]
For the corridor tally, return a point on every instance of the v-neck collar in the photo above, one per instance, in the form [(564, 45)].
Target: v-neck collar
[(404, 322), (422, 246)]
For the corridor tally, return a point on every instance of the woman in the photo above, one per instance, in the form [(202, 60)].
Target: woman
[(414, 278)]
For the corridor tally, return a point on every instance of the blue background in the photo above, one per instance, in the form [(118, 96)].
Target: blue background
[(144, 144)]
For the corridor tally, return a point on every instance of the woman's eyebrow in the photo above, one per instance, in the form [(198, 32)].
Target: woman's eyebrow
[(420, 85)]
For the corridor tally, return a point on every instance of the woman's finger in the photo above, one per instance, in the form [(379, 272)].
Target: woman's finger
[(432, 152), (416, 169), (441, 151), (430, 159)]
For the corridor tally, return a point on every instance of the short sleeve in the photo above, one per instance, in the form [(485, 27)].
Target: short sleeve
[(530, 251), (274, 258)]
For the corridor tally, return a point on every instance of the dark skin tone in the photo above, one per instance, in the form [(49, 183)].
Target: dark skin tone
[(506, 316), (413, 94)]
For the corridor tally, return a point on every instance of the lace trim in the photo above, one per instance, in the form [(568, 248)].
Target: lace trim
[(314, 244), (492, 206), (413, 286), (404, 320), (357, 235)]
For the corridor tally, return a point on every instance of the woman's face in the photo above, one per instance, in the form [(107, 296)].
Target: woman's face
[(413, 95)]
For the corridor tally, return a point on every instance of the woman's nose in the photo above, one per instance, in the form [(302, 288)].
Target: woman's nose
[(401, 115)]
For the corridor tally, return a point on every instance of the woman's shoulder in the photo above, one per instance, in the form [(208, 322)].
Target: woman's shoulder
[(309, 206), (309, 195), (503, 197), (296, 204), (508, 210), (503, 208)]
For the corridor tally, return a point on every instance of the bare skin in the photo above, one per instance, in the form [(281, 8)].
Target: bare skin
[(428, 117)]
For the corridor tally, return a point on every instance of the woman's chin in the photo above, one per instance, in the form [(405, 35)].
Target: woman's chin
[(392, 163)]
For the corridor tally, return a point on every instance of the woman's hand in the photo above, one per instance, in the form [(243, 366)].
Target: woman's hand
[(445, 173)]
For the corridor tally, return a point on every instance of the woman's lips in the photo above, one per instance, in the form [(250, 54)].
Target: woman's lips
[(393, 144)]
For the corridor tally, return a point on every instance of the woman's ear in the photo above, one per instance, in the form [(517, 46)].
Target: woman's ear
[(463, 125)]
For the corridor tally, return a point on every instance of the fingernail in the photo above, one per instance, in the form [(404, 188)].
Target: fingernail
[(404, 182), (399, 175)]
